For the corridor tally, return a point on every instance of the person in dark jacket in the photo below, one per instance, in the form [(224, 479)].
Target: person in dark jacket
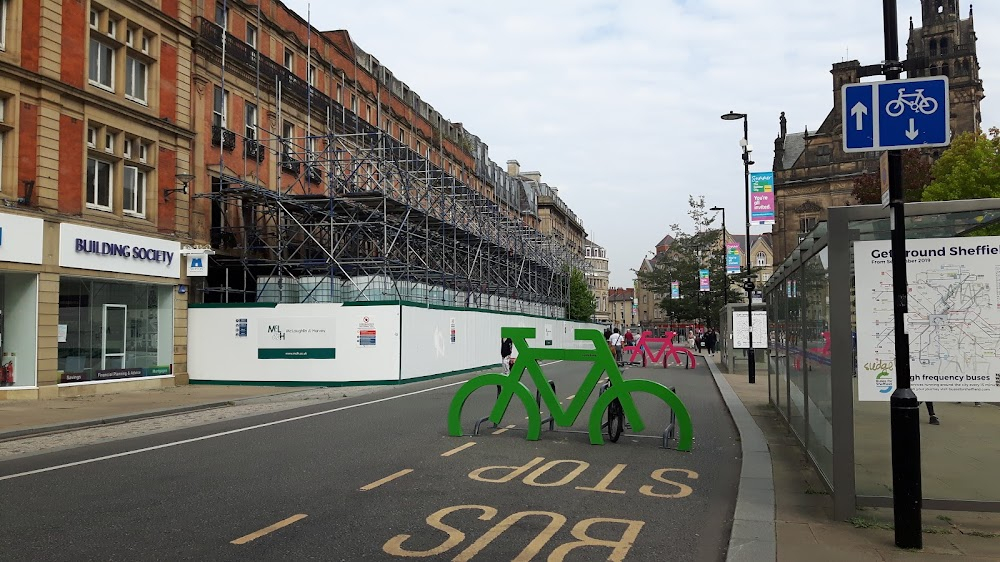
[(506, 348)]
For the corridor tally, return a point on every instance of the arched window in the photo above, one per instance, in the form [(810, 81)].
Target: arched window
[(934, 47), (944, 69), (761, 259)]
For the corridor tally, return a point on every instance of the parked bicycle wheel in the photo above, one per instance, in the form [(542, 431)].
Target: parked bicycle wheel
[(616, 420)]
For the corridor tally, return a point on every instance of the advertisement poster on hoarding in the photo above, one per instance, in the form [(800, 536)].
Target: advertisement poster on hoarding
[(732, 258), (953, 298), (762, 198), (366, 332), (703, 284), (296, 338), (675, 290)]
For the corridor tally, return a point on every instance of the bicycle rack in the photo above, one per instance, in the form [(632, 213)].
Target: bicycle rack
[(487, 418), (538, 401), (668, 433)]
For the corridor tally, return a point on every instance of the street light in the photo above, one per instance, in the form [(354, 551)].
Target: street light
[(725, 261), (748, 285)]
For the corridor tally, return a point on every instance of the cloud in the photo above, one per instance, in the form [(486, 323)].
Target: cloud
[(618, 102)]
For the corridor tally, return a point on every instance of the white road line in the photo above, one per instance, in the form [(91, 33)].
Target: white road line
[(224, 433), (232, 431)]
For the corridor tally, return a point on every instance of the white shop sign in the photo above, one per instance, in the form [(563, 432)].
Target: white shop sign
[(20, 239), (98, 249)]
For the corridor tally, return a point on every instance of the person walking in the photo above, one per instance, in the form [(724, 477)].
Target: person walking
[(711, 338), (629, 338), (616, 344), (506, 348)]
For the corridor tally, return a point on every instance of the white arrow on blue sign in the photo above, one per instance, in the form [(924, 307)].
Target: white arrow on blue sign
[(896, 114)]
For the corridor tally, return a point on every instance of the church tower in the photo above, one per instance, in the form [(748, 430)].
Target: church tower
[(945, 45)]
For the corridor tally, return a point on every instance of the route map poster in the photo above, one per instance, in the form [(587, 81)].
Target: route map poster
[(953, 321)]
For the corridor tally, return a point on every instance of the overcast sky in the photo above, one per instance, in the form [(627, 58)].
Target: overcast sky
[(617, 103)]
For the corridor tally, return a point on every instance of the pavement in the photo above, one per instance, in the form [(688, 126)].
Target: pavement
[(783, 511)]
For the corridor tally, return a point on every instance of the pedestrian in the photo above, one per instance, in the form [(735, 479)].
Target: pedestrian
[(698, 341), (506, 348), (607, 334), (616, 345), (930, 412), (711, 338), (691, 339), (629, 338)]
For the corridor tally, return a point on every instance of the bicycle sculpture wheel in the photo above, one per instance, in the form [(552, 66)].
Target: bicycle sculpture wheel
[(620, 390)]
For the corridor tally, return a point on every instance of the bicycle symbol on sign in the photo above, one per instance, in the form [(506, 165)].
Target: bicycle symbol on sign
[(617, 394), (917, 102)]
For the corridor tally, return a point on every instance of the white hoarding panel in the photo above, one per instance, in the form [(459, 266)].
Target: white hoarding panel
[(20, 239), (954, 319)]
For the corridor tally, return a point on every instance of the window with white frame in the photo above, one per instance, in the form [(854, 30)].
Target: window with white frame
[(354, 104), (252, 35), (289, 59), (220, 101), (312, 75), (340, 94), (250, 121), (99, 184), (135, 79), (287, 132), (221, 14), (4, 8), (102, 65), (761, 259), (134, 191), (311, 148)]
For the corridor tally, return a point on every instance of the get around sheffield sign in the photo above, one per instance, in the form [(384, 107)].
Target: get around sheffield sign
[(98, 249)]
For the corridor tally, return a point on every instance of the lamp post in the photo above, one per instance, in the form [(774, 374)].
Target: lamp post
[(725, 260), (748, 284)]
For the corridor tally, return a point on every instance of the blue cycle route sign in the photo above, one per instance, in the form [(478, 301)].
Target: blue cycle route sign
[(896, 114)]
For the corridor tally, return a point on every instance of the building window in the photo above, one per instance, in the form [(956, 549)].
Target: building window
[(91, 137), (312, 75), (135, 80), (221, 14), (102, 65), (806, 224), (134, 191), (250, 121), (944, 45), (340, 94), (289, 60), (761, 259), (220, 101), (99, 184), (287, 132), (368, 113), (3, 24), (252, 35), (402, 135)]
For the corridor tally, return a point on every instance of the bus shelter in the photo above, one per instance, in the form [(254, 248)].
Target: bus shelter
[(839, 410)]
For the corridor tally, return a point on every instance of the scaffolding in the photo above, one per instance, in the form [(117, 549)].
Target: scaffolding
[(354, 214)]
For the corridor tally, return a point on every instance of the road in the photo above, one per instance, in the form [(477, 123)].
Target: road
[(376, 477)]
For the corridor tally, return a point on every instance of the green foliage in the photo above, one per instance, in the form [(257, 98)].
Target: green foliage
[(916, 177), (689, 253), (582, 303), (969, 169)]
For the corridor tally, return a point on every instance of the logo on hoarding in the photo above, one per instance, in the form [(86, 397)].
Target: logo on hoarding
[(883, 381), (276, 333)]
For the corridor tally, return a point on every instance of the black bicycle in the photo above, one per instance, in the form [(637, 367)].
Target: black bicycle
[(615, 416)]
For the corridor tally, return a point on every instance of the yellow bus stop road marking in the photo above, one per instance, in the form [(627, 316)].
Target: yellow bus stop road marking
[(269, 529), (458, 449), (503, 429), (389, 478)]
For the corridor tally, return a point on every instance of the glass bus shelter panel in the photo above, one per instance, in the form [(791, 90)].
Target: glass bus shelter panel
[(816, 339)]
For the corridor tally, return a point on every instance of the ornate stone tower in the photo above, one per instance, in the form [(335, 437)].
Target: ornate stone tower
[(946, 45)]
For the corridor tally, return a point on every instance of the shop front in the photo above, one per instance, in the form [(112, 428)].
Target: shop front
[(116, 306), (21, 257)]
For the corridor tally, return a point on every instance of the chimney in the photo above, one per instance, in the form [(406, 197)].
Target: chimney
[(513, 168), (533, 176)]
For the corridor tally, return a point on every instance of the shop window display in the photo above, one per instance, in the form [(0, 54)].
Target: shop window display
[(111, 330), (18, 329)]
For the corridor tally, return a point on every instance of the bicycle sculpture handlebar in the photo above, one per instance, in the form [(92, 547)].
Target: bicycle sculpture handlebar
[(603, 363)]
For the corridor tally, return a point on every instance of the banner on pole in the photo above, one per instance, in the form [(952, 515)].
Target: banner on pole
[(762, 198), (732, 258), (675, 289), (703, 280)]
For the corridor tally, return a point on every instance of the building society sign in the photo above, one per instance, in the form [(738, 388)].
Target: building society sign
[(83, 247)]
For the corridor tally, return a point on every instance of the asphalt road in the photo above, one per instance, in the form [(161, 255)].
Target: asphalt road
[(377, 477)]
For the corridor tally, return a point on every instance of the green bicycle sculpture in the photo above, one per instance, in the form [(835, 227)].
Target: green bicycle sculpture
[(619, 391)]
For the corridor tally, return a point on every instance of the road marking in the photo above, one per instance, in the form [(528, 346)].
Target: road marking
[(233, 431), (269, 529), (571, 396), (503, 430), (458, 449), (389, 478)]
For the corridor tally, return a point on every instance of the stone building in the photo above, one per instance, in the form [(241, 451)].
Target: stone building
[(623, 309), (811, 170), (597, 280)]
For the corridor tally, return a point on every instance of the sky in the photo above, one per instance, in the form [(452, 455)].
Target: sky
[(618, 102)]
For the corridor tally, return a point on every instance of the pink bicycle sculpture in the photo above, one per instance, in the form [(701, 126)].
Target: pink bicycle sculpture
[(667, 349)]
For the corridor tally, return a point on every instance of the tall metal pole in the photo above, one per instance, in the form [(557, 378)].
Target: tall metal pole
[(907, 494), (752, 368)]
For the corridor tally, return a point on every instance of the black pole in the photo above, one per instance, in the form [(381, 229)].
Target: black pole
[(724, 282), (907, 495), (752, 368)]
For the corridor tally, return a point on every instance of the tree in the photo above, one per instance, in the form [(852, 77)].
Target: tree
[(916, 177), (582, 303), (688, 254), (969, 169)]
